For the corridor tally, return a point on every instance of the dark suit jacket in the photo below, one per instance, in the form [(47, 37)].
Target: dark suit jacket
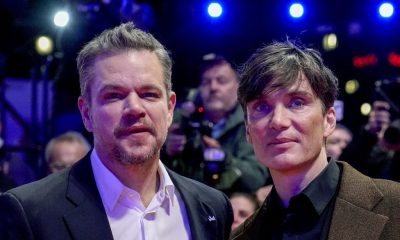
[(67, 205), (365, 208)]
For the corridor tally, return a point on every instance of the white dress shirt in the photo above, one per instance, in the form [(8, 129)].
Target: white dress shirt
[(164, 218)]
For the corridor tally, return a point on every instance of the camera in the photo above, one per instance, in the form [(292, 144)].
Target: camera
[(392, 133), (194, 126)]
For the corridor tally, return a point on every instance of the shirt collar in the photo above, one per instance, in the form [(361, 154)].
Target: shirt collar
[(218, 128), (166, 184), (111, 188), (322, 189), (319, 192)]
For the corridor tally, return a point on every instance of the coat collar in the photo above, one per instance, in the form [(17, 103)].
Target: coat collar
[(202, 218), (353, 217), (82, 192), (88, 220)]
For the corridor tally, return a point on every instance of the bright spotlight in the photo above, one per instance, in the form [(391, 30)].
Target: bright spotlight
[(44, 45), (386, 10), (214, 9), (61, 18), (296, 10)]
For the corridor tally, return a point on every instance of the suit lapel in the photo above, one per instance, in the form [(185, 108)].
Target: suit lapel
[(202, 218), (353, 217), (355, 223), (88, 220)]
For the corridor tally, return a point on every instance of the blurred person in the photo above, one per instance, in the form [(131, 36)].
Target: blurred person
[(210, 146), (65, 150), (13, 169), (374, 149), (243, 205), (379, 118), (384, 159), (338, 141), (121, 189), (287, 94), (6, 182)]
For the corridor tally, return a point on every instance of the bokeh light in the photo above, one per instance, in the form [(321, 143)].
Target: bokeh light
[(386, 10), (61, 18), (44, 45), (365, 109), (296, 10), (352, 86), (214, 10), (330, 42)]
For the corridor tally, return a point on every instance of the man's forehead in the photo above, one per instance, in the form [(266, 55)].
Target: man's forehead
[(299, 86)]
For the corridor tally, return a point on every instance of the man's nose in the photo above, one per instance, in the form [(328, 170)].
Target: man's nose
[(279, 118), (133, 106), (214, 84)]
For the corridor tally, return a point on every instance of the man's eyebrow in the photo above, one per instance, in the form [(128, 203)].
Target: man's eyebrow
[(151, 86), (297, 92), (109, 87)]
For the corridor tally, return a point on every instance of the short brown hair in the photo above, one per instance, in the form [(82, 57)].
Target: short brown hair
[(124, 37)]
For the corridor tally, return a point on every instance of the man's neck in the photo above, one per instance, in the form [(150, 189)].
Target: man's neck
[(291, 183), (143, 178)]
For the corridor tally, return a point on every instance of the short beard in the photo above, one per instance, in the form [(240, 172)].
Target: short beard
[(132, 159)]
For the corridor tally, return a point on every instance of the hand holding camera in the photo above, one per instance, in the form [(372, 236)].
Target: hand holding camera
[(379, 118), (176, 140)]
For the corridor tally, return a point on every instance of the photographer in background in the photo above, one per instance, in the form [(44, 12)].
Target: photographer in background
[(387, 152), (376, 150), (210, 145)]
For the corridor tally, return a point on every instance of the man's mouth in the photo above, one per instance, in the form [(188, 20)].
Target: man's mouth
[(278, 141), (123, 132)]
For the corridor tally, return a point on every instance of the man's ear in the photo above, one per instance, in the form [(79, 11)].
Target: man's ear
[(248, 137), (84, 109), (171, 106), (330, 122)]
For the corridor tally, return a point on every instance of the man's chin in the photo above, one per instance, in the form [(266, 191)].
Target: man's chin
[(135, 155), (218, 107), (135, 158)]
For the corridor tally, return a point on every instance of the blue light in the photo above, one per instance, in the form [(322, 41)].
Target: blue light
[(296, 10), (386, 10), (214, 10)]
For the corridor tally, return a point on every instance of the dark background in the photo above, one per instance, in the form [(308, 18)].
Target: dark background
[(185, 29)]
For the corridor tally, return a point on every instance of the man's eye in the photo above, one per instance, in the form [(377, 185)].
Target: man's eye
[(222, 80), (150, 95), (297, 103), (205, 82), (113, 95), (259, 110), (261, 107)]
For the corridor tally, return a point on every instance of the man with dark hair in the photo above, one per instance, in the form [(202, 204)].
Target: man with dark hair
[(121, 189), (287, 94), (210, 146)]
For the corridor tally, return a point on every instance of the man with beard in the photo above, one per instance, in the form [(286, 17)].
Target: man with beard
[(210, 146), (120, 190)]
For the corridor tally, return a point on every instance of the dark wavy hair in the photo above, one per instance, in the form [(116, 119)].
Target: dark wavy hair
[(279, 65)]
